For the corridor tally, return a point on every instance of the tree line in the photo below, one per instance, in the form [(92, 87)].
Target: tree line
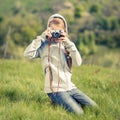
[(89, 24)]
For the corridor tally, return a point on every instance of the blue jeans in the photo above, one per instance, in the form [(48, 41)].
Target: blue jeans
[(72, 100)]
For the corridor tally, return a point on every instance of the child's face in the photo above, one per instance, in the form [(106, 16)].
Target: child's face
[(57, 24)]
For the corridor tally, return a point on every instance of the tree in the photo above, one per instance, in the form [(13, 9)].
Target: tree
[(87, 43)]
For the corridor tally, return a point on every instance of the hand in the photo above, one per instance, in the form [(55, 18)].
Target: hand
[(63, 36), (48, 33)]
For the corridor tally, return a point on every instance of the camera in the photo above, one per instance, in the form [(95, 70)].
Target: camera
[(56, 34)]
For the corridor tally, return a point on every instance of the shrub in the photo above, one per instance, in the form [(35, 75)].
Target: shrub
[(78, 11), (87, 43), (95, 8)]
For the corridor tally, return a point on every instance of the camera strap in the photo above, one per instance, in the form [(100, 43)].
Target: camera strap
[(50, 70), (58, 65), (69, 62), (68, 57), (49, 67)]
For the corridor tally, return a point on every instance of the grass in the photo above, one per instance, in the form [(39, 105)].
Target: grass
[(22, 94)]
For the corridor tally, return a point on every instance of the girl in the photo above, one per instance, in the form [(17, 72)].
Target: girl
[(58, 54)]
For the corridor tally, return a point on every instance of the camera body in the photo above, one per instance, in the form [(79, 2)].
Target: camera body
[(56, 34)]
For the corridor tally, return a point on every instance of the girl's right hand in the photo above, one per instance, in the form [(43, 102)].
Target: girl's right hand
[(48, 33)]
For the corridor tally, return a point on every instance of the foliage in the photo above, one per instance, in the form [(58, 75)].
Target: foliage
[(94, 8), (87, 43), (28, 18), (22, 96), (106, 57), (78, 11)]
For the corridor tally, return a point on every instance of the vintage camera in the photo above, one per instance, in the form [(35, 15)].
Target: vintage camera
[(56, 34)]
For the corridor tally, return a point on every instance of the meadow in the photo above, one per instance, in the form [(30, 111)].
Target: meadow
[(22, 94)]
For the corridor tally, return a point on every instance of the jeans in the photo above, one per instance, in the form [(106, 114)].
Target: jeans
[(72, 100)]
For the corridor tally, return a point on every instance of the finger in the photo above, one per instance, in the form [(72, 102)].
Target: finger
[(61, 38)]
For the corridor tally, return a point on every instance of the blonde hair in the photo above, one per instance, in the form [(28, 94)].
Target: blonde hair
[(57, 23)]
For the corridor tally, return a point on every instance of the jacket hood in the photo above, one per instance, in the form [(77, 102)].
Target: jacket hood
[(58, 16)]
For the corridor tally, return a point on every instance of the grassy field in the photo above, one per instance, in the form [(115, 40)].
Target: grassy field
[(22, 94)]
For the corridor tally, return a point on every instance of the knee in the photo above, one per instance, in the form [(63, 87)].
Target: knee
[(78, 111), (94, 104)]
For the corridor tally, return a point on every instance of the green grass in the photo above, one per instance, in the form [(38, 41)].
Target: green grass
[(22, 94)]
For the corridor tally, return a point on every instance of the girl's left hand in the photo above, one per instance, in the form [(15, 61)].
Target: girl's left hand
[(63, 36)]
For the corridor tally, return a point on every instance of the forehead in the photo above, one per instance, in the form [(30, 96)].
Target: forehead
[(58, 22)]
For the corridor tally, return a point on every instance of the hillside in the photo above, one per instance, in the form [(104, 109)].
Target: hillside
[(22, 96), (90, 23)]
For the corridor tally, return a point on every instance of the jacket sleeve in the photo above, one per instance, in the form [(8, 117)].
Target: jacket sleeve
[(32, 50), (76, 57)]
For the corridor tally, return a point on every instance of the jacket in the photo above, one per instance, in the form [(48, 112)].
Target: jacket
[(54, 62)]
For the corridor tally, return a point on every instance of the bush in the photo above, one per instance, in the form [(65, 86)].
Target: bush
[(87, 43), (108, 23), (78, 11), (94, 8)]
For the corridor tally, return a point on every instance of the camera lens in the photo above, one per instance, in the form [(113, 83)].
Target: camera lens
[(56, 34)]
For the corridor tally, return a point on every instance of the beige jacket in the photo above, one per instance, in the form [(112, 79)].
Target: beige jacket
[(53, 56)]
